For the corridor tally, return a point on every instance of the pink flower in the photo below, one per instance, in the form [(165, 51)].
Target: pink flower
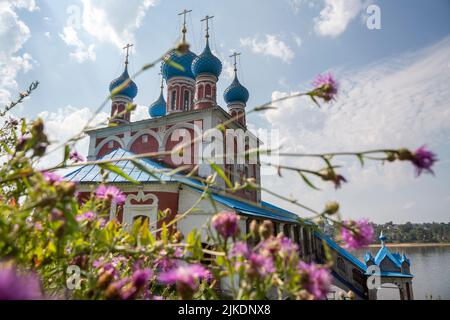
[(51, 177), (423, 160), (76, 157), (239, 249), (110, 193), (314, 279), (357, 234), (87, 216), (14, 286), (325, 87), (141, 277), (185, 277), (226, 224), (259, 265)]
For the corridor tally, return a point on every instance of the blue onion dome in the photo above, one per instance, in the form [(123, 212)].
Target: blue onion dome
[(130, 90), (184, 59), (236, 92), (206, 62), (158, 108)]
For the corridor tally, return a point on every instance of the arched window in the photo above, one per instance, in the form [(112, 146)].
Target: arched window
[(340, 264), (208, 91), (173, 100), (187, 100), (200, 92)]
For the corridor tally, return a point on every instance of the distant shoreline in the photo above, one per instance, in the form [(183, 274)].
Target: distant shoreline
[(412, 244)]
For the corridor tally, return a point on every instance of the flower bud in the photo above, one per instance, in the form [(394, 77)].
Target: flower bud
[(390, 156), (105, 279), (405, 154), (351, 295), (177, 237), (331, 208), (253, 227), (266, 229)]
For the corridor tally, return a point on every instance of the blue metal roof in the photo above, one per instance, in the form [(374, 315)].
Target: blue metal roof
[(236, 92), (183, 59), (266, 210), (91, 173), (130, 90), (158, 108), (342, 251), (206, 62)]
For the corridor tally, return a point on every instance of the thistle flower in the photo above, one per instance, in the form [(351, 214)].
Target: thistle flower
[(76, 157), (141, 277), (14, 286), (226, 224), (239, 249), (259, 265), (87, 216), (316, 280), (423, 160), (357, 234), (186, 278), (325, 87), (110, 193), (51, 177)]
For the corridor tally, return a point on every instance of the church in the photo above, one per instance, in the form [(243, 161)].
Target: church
[(185, 109)]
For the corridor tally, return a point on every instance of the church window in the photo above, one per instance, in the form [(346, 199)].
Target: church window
[(341, 264), (187, 100), (110, 144), (208, 91), (144, 138), (173, 100), (200, 92)]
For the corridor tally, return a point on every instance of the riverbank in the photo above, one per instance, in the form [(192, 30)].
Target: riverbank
[(412, 245)]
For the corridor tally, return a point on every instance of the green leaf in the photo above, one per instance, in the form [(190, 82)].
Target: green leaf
[(5, 146), (174, 64), (66, 153), (117, 170), (307, 181), (221, 174), (146, 170), (361, 159)]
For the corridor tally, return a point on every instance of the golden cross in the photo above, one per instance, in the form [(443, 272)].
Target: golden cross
[(127, 47), (207, 18)]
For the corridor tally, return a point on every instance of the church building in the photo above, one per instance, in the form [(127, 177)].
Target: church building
[(185, 109)]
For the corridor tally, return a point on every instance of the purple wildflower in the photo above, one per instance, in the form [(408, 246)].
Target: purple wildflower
[(185, 277), (325, 87), (52, 177), (18, 287), (226, 224), (240, 249), (357, 234), (315, 279), (423, 160), (110, 193), (76, 157), (259, 265), (87, 216), (141, 277)]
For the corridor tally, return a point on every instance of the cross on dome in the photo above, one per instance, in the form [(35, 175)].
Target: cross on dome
[(207, 18), (234, 56), (184, 30), (127, 47)]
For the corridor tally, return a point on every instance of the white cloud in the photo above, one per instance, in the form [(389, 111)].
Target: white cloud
[(297, 4), (82, 51), (297, 39), (272, 45), (399, 102), (65, 123), (13, 34), (336, 16), (112, 21)]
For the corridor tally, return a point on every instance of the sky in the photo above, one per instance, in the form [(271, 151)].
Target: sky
[(394, 81)]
